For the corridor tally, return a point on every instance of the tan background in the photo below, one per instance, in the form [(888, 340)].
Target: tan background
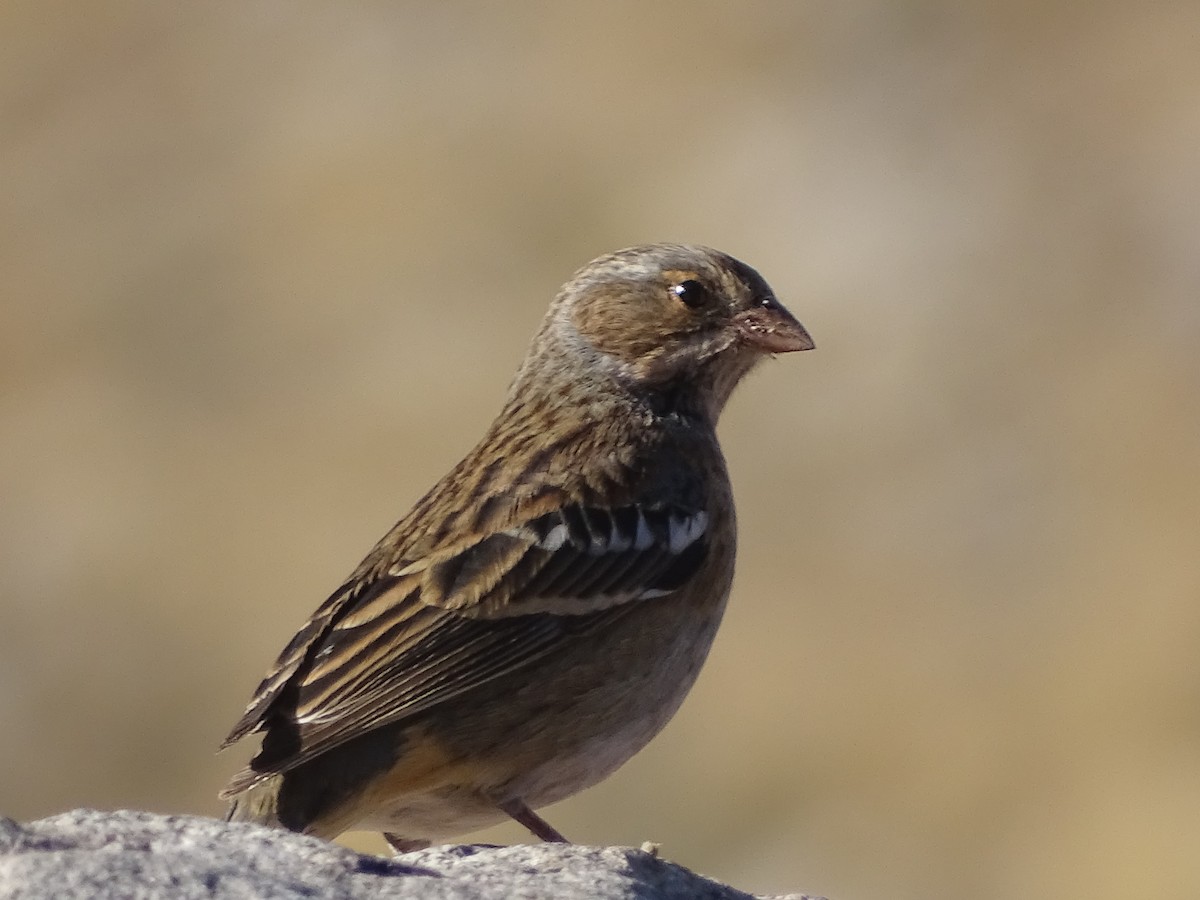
[(267, 269)]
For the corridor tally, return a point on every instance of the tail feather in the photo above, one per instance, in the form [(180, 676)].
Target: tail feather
[(242, 782), (260, 805)]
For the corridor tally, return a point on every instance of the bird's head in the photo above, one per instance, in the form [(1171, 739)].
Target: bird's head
[(667, 318)]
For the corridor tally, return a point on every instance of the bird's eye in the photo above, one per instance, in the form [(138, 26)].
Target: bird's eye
[(691, 293)]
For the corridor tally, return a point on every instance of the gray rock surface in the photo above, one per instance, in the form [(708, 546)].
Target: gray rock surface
[(90, 855)]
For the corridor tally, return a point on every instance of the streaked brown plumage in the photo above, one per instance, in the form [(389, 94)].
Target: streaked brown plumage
[(540, 614)]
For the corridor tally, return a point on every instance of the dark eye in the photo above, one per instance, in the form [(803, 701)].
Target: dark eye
[(692, 293)]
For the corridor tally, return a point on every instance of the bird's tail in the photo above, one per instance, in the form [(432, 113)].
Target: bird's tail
[(260, 804)]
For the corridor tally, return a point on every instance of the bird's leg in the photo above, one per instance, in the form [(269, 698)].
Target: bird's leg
[(531, 820), (403, 845)]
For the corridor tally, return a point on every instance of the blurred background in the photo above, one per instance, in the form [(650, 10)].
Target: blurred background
[(267, 269)]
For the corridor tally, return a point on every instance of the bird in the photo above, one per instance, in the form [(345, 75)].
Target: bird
[(540, 614)]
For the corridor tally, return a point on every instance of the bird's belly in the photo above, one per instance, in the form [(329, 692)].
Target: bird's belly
[(576, 723), (611, 714), (465, 799)]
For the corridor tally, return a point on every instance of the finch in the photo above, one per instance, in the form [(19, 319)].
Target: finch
[(540, 614)]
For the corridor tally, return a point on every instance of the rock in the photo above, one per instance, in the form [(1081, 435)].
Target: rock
[(90, 855)]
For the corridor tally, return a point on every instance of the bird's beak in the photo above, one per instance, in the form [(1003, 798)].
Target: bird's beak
[(772, 329)]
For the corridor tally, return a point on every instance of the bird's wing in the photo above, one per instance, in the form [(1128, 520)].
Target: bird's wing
[(424, 631)]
